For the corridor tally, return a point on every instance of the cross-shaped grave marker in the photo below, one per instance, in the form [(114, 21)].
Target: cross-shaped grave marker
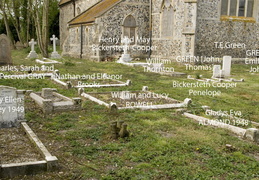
[(32, 54), (54, 54)]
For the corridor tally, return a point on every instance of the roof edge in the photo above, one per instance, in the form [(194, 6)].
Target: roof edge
[(82, 13), (71, 24)]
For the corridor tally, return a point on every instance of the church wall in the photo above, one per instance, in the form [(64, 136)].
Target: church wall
[(82, 5), (67, 13), (168, 47), (109, 25), (211, 29)]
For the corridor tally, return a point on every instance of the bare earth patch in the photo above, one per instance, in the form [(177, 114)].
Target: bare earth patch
[(16, 147)]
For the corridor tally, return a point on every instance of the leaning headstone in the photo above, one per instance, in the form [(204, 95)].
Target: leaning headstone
[(5, 50), (11, 107), (55, 54), (216, 71), (32, 54), (19, 45), (227, 65)]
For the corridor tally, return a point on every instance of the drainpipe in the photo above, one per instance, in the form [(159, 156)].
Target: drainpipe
[(81, 42), (74, 4), (150, 28)]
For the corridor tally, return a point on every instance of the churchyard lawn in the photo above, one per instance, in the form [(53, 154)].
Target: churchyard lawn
[(162, 143)]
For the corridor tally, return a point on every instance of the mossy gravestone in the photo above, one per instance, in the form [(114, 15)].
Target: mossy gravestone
[(5, 50)]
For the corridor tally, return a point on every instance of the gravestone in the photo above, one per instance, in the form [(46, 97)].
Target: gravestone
[(157, 67), (226, 65), (5, 50), (125, 57), (19, 45), (32, 54), (11, 107), (125, 95), (216, 71), (54, 54)]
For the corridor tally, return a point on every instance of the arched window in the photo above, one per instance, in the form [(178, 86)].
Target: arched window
[(167, 19), (129, 28)]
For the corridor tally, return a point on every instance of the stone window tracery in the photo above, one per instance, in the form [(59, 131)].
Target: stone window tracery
[(240, 8)]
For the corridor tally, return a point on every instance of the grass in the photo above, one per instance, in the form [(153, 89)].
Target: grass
[(162, 144)]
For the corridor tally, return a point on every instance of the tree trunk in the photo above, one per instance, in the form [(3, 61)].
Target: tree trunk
[(8, 31), (45, 28)]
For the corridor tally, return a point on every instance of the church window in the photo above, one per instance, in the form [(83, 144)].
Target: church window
[(241, 8), (129, 28), (167, 19)]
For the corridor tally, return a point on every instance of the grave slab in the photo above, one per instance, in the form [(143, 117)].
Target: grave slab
[(145, 100), (51, 102), (47, 61), (93, 83), (38, 160)]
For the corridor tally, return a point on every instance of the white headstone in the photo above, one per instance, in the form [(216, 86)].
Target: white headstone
[(157, 67), (216, 71), (125, 57), (227, 65), (11, 107), (32, 54), (54, 54)]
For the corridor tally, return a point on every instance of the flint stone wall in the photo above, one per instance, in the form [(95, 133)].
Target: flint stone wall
[(211, 29), (109, 25)]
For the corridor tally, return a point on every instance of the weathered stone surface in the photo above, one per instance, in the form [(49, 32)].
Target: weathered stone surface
[(11, 107), (68, 12), (109, 25), (51, 102), (252, 134), (179, 28), (19, 45), (5, 50), (226, 65), (211, 29)]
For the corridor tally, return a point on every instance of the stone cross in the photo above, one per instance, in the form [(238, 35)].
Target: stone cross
[(54, 39), (32, 43), (54, 54), (32, 54)]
